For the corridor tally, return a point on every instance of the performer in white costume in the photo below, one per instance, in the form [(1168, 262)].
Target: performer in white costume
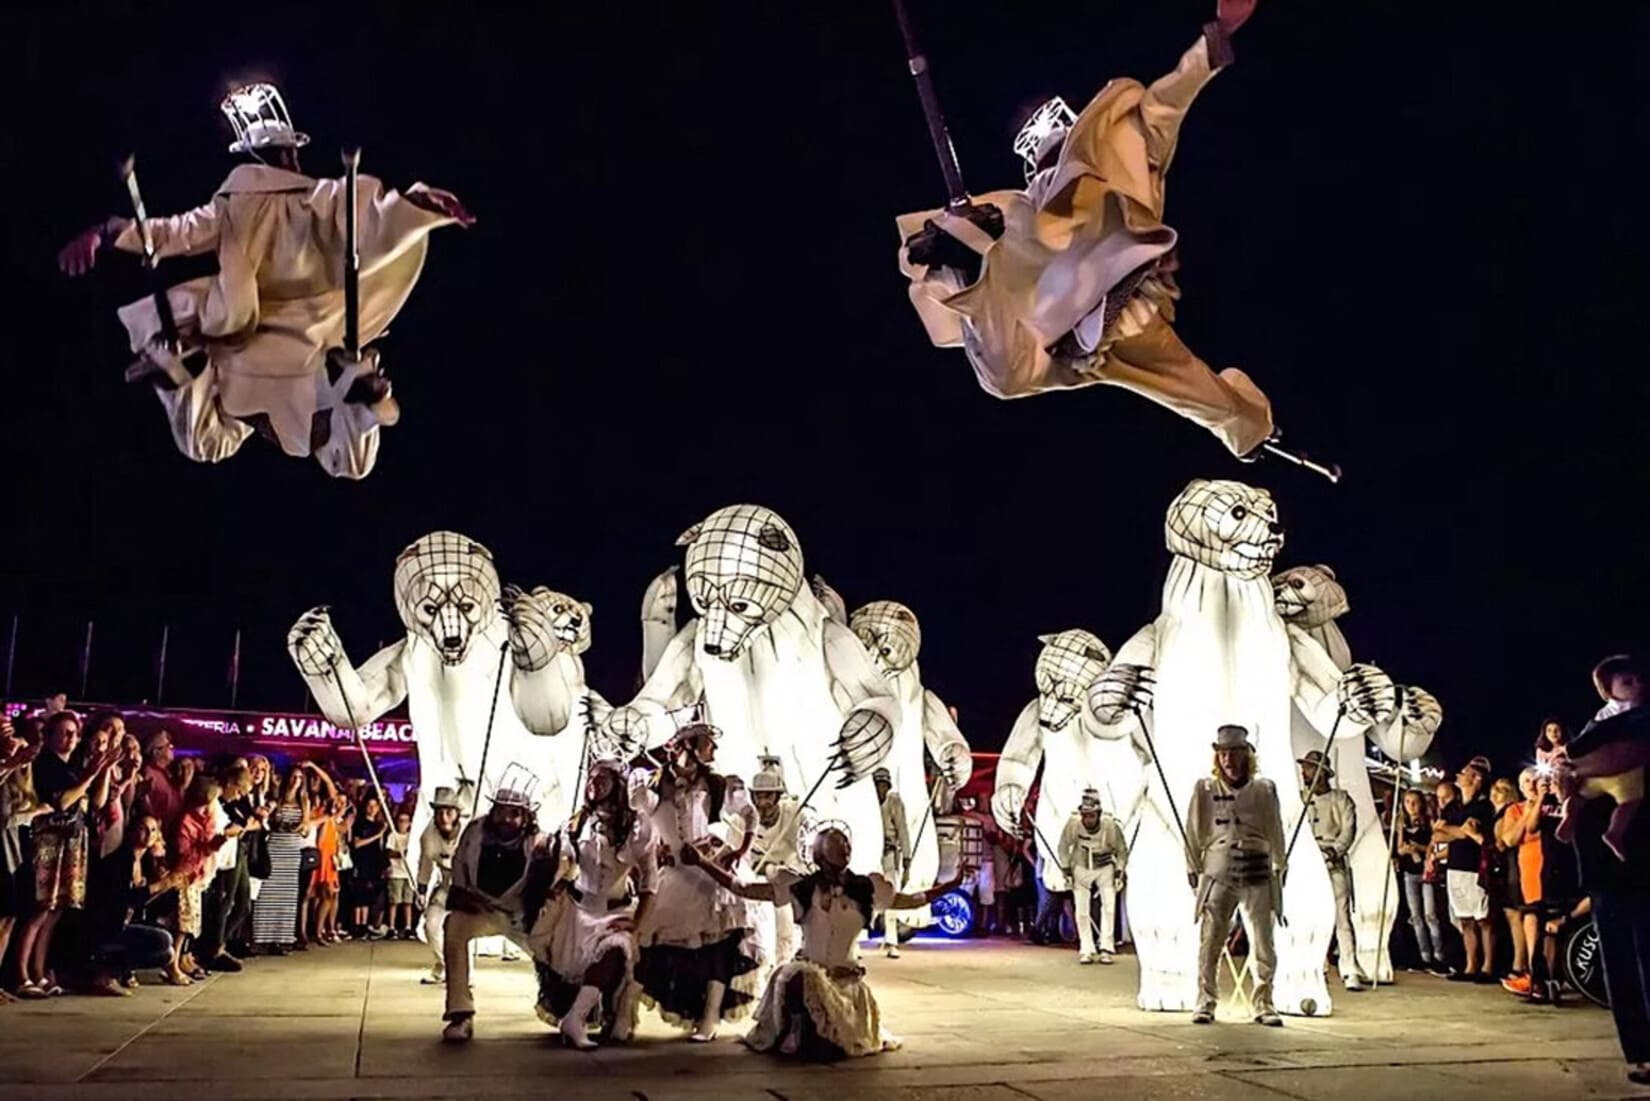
[(771, 671), (267, 320), (1220, 655), (1094, 859), (1312, 599), (1059, 732), (896, 850), (819, 1005), (1333, 819), (436, 845), (781, 824), (1236, 859), (449, 666), (698, 949), (893, 638), (488, 893), (1069, 282), (584, 939)]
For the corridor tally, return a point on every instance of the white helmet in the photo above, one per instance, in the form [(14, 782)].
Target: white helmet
[(1043, 133), (260, 118)]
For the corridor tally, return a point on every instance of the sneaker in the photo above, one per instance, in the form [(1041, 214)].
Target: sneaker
[(1355, 982), (1106, 957), (1269, 1018), (32, 991), (1437, 967), (1462, 976), (1203, 1017), (433, 978), (891, 950), (1084, 958), (459, 1030), (224, 962), (1518, 984)]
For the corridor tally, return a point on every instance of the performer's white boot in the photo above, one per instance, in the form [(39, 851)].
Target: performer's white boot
[(706, 1032), (625, 1011), (574, 1022)]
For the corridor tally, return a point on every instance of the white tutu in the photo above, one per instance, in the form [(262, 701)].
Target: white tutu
[(570, 938)]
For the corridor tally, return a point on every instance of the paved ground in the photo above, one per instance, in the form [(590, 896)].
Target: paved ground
[(981, 1021)]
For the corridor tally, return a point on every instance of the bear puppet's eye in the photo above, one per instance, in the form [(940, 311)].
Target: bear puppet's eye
[(887, 651), (1297, 583), (467, 607), (739, 607), (1240, 513), (428, 609), (559, 609)]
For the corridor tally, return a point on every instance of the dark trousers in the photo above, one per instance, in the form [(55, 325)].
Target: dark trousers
[(140, 948), (227, 907), (1623, 920)]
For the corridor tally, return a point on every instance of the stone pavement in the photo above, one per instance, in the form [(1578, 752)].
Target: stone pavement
[(981, 1020)]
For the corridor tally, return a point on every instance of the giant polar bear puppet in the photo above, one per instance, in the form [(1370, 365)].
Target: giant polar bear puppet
[(1060, 732), (1311, 598), (773, 672), (448, 670), (892, 636), (1221, 654)]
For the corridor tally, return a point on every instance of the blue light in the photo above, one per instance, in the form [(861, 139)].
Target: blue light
[(954, 914)]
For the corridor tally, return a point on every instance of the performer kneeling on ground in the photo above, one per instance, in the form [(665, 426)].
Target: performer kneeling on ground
[(819, 1005), (1094, 858), (1235, 860), (1334, 819), (489, 887), (585, 939), (435, 858), (696, 941)]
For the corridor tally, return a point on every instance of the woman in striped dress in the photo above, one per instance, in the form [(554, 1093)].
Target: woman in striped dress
[(275, 914)]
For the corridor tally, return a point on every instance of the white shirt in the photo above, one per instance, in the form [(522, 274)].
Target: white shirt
[(604, 869), (831, 927)]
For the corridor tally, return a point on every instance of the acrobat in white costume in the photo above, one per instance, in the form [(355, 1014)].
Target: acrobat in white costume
[(773, 672), (448, 668), (1311, 598), (893, 638), (1060, 732), (1221, 654)]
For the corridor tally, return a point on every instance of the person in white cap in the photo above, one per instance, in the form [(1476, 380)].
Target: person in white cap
[(268, 325), (1094, 857), (435, 860), (1333, 817), (584, 940), (488, 892), (896, 850), (781, 822), (1235, 853)]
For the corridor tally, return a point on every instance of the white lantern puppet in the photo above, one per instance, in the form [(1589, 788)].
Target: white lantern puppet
[(253, 339), (448, 669), (772, 671), (1060, 733), (1068, 283), (1312, 599), (1221, 655)]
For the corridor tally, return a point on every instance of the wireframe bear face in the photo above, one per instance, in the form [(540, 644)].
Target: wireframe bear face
[(1308, 596), (743, 569), (1067, 668), (445, 589), (569, 619), (890, 633), (1227, 526)]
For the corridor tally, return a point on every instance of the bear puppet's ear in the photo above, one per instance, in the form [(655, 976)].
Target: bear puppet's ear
[(690, 536), (589, 609), (1047, 640), (1328, 571), (905, 615)]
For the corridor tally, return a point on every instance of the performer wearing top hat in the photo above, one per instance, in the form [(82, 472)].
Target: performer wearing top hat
[(268, 319), (435, 858), (1094, 857), (488, 895), (1235, 853), (1334, 820)]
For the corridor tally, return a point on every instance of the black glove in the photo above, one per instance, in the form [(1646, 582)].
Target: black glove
[(932, 247)]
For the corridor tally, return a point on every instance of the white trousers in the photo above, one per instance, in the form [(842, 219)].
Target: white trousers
[(1086, 881), (1346, 939), (1255, 902), (461, 929), (435, 933)]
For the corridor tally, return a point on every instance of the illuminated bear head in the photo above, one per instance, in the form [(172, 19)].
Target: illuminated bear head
[(1067, 668), (743, 569), (569, 619), (1227, 526), (890, 633), (445, 589), (1308, 596)]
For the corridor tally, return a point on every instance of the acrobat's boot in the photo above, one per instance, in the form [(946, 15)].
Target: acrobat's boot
[(712, 1016), (574, 1032)]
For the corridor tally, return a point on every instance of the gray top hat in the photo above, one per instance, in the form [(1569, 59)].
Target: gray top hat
[(1232, 736), (1314, 759), (445, 797)]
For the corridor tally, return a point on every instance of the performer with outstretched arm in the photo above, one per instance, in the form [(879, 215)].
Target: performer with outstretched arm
[(1069, 282), (271, 321), (819, 1005)]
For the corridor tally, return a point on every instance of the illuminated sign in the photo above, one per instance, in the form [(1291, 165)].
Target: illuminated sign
[(268, 727)]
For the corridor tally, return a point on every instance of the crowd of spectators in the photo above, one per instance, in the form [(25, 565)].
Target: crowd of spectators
[(119, 860)]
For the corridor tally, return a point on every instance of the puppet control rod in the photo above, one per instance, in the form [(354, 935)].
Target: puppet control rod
[(957, 193)]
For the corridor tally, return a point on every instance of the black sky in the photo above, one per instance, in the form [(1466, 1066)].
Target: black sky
[(1419, 226)]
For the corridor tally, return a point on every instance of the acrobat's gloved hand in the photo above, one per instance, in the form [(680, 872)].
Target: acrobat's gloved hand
[(933, 247)]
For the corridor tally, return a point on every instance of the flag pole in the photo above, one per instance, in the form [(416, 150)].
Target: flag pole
[(86, 660), (160, 666)]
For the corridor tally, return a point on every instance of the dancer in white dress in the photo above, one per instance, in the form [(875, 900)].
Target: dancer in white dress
[(819, 1005), (584, 940), (698, 954)]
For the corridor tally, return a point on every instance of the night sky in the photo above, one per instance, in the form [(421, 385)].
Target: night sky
[(1420, 227)]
